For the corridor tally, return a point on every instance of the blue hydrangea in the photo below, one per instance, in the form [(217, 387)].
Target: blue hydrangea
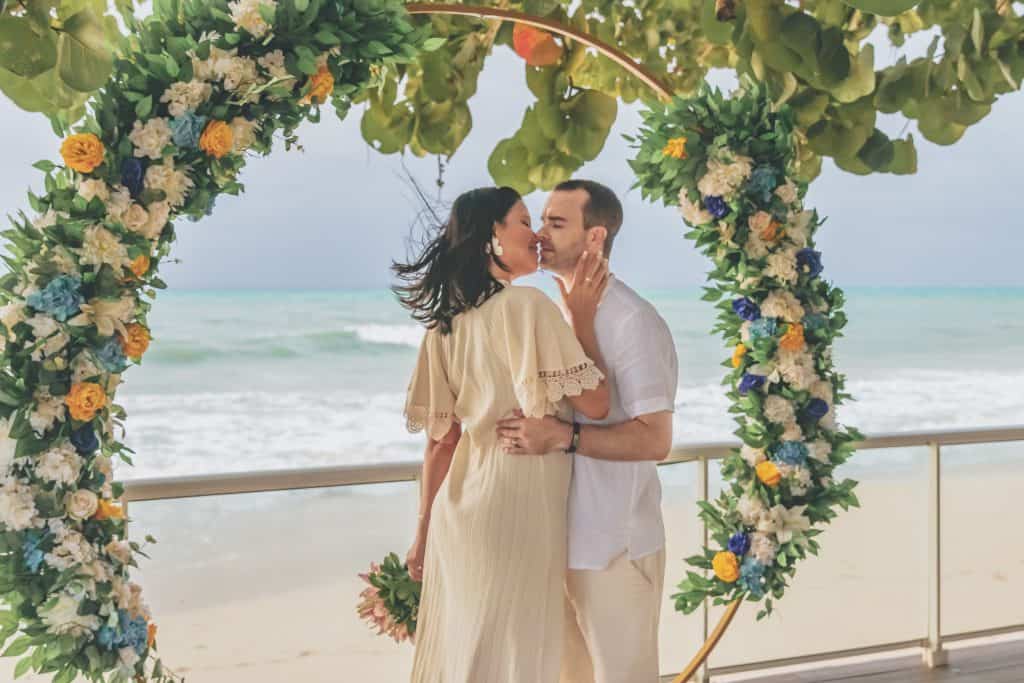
[(764, 328), (750, 382), (739, 544), (133, 175), (752, 577), (791, 453), (762, 183), (716, 206), (31, 551), (61, 297), (809, 261), (111, 356), (133, 633), (106, 638), (816, 409), (187, 129), (746, 309), (84, 439)]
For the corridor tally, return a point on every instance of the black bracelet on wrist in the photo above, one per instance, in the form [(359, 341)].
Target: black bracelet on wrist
[(574, 442)]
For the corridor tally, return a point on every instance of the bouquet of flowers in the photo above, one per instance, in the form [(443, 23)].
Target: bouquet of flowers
[(390, 603)]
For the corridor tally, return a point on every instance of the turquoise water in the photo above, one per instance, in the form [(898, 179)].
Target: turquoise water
[(241, 380)]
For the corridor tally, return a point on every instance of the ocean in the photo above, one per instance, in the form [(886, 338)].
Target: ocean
[(257, 380)]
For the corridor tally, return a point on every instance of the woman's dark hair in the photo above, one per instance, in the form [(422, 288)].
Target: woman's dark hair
[(452, 272)]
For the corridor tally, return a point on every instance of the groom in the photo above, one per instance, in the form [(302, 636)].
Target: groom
[(616, 535)]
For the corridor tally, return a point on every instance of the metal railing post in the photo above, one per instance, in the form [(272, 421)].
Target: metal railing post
[(703, 675), (934, 655)]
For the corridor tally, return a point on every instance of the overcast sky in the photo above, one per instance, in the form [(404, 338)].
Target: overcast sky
[(335, 215)]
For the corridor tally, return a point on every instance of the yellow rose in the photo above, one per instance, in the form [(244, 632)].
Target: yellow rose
[(85, 400), (737, 355), (768, 473), (727, 567), (135, 341), (139, 265), (793, 340), (109, 510), (82, 152), (676, 148), (322, 85), (217, 139)]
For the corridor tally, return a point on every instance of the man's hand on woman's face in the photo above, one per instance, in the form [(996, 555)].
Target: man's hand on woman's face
[(521, 435), (589, 280)]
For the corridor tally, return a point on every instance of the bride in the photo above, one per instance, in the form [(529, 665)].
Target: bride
[(490, 546)]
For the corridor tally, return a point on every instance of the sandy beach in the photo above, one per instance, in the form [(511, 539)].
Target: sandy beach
[(262, 588)]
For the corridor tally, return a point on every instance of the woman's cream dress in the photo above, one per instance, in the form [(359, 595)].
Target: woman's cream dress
[(492, 602)]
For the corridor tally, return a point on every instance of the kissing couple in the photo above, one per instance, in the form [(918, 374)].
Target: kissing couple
[(540, 541)]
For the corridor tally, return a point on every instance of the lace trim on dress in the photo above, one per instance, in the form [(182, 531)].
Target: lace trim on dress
[(551, 386), (437, 424)]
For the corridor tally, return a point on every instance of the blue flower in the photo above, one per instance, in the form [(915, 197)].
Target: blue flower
[(752, 577), (61, 297), (134, 632), (762, 183), (749, 382), (106, 638), (746, 309), (133, 173), (809, 261), (716, 206), (764, 328), (739, 544), (31, 552), (816, 409), (187, 129), (814, 321), (111, 356), (84, 439), (791, 453)]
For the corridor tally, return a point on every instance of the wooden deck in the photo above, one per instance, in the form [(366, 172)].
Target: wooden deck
[(996, 663)]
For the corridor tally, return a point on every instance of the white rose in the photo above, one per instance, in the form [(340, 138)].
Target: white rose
[(82, 504), (778, 410), (150, 138), (60, 465), (783, 305), (797, 368), (90, 188), (135, 218), (174, 183), (120, 551), (782, 266)]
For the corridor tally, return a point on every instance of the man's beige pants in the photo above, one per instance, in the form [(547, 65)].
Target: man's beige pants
[(612, 621)]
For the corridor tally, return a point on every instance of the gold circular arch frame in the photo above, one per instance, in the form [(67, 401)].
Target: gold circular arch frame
[(653, 82)]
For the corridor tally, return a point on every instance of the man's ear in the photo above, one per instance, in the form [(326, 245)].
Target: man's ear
[(596, 237)]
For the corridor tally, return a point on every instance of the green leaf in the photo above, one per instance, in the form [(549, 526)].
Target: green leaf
[(435, 43), (18, 647), (144, 107), (27, 51), (84, 54), (885, 8)]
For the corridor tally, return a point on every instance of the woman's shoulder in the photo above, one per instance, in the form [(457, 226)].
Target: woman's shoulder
[(522, 297)]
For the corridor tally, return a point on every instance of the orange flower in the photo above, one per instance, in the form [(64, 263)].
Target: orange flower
[(84, 400), (726, 566), (793, 340), (768, 473), (139, 265), (676, 148), (108, 509), (217, 139), (737, 355), (772, 232), (82, 152), (151, 634), (322, 85), (135, 342), (537, 47)]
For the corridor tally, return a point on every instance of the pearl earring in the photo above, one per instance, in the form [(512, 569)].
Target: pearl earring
[(495, 247)]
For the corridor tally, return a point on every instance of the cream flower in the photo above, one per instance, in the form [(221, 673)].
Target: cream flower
[(755, 247), (64, 260), (726, 231), (82, 504), (750, 508), (778, 410), (273, 64), (135, 218), (46, 220), (822, 389), (46, 328), (12, 313), (745, 331), (820, 450), (83, 368), (184, 97), (246, 15), (120, 551), (237, 72), (753, 456), (784, 522), (783, 305), (763, 548), (796, 368), (62, 618), (103, 247), (60, 464), (788, 193), (7, 447), (150, 138), (17, 506), (174, 183), (71, 550), (159, 214), (244, 133), (128, 596), (119, 201), (205, 69), (48, 410), (798, 478), (723, 178), (128, 660), (91, 187), (782, 266), (109, 315), (792, 432), (798, 227), (692, 213)]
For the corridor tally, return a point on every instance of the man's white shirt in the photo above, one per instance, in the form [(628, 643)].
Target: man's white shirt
[(615, 506)]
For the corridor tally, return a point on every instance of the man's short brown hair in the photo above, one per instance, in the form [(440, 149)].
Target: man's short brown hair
[(601, 208)]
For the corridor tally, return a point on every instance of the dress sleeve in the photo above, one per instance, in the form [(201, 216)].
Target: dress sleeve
[(546, 359), (430, 401)]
